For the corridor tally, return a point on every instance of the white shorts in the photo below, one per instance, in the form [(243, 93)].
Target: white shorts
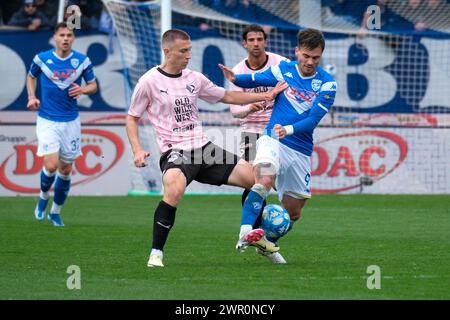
[(59, 137), (293, 169)]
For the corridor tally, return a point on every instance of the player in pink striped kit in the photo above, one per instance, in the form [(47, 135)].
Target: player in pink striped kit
[(254, 117), (168, 95)]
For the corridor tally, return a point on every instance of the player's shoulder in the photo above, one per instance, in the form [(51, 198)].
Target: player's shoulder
[(324, 75), (286, 65), (79, 55), (45, 54), (275, 58), (150, 75), (240, 66), (193, 75)]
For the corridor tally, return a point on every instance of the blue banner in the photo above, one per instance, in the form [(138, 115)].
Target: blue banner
[(375, 74)]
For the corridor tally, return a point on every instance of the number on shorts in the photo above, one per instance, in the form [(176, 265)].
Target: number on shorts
[(307, 178), (75, 144)]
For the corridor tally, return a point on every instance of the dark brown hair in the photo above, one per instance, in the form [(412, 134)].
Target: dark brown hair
[(310, 39), (253, 28), (62, 25)]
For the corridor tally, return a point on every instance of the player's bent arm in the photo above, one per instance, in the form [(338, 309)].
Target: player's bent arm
[(320, 108), (240, 111), (133, 133), (318, 111), (133, 137), (33, 102), (90, 88)]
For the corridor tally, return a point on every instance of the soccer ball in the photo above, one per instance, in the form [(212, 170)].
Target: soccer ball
[(275, 220)]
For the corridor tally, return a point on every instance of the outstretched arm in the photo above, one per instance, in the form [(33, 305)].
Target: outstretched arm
[(75, 91), (239, 97), (254, 80)]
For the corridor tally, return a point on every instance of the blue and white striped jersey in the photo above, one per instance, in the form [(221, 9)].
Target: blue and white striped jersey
[(302, 105), (57, 75)]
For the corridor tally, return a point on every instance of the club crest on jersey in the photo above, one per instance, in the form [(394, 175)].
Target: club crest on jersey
[(190, 88), (74, 62), (315, 84)]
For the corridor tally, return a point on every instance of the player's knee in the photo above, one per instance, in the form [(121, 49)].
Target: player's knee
[(295, 213), (51, 167), (266, 181), (294, 210), (174, 187), (66, 170)]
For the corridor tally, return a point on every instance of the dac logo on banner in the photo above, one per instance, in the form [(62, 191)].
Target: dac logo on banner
[(340, 162), (19, 170)]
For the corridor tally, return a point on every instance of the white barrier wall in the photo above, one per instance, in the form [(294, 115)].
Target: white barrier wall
[(102, 170), (392, 161)]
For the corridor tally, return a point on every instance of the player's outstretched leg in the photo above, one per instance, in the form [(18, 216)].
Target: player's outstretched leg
[(163, 221), (62, 187), (47, 178), (257, 223), (250, 212)]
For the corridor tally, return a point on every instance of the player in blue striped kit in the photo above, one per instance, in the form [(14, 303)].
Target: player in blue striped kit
[(283, 152), (58, 129)]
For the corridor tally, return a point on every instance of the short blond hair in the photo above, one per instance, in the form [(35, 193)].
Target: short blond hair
[(171, 35)]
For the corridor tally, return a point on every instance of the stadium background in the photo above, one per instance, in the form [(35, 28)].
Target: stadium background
[(390, 121)]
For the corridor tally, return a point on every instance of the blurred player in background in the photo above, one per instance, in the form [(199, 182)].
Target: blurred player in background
[(58, 127), (283, 152), (168, 95), (254, 117)]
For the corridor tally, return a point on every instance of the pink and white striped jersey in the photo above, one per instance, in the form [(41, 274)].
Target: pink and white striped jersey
[(170, 102), (257, 121)]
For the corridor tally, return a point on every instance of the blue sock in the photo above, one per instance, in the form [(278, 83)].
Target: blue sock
[(251, 208), (62, 187), (47, 180)]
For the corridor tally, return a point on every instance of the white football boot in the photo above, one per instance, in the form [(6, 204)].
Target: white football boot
[(274, 257)]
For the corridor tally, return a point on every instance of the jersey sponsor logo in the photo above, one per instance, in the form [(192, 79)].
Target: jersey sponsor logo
[(183, 109), (63, 74), (74, 62), (315, 84), (351, 160), (301, 95), (23, 162)]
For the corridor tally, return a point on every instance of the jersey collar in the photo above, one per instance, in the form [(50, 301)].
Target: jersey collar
[(62, 59)]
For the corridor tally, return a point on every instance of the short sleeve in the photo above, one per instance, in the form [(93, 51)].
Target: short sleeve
[(88, 72), (140, 100), (35, 68), (209, 91)]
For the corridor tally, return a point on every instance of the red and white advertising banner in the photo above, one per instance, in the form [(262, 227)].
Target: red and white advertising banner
[(367, 160), (381, 161), (103, 169)]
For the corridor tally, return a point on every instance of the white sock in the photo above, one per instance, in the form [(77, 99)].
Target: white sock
[(48, 174), (56, 209), (245, 228), (156, 252), (44, 195)]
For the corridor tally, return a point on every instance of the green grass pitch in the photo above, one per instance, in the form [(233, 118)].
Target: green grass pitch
[(328, 251)]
